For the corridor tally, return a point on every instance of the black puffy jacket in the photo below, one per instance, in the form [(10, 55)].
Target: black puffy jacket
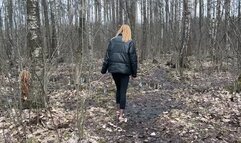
[(120, 57)]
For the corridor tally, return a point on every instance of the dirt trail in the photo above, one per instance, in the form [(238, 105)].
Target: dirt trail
[(148, 108), (143, 110)]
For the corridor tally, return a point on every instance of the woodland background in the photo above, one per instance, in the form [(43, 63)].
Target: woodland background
[(189, 52)]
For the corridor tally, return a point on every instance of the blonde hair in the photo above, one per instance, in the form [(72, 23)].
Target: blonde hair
[(125, 30)]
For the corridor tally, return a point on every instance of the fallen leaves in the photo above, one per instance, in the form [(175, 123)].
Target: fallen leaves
[(210, 114), (160, 107), (36, 125)]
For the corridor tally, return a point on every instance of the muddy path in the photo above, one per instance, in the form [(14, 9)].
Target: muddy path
[(148, 98), (147, 103), (155, 99)]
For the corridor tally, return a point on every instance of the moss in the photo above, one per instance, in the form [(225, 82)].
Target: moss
[(101, 141), (229, 88), (238, 84), (235, 87), (32, 140), (33, 103)]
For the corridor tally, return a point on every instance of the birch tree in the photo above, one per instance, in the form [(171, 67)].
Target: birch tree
[(185, 35), (34, 44)]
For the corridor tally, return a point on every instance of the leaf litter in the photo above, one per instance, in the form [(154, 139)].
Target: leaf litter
[(161, 107)]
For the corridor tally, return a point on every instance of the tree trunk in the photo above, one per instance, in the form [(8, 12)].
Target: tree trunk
[(195, 8), (215, 29), (79, 51), (1, 20), (200, 26), (156, 29), (70, 11), (113, 11), (97, 27), (177, 19), (79, 64), (185, 35), (239, 12), (209, 27), (120, 12), (53, 30), (2, 39), (34, 44), (144, 33), (227, 24), (151, 30), (166, 28), (239, 37), (160, 26), (47, 27), (9, 34), (131, 12), (194, 30)]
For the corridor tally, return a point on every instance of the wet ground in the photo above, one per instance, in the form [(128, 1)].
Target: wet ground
[(148, 98), (162, 109)]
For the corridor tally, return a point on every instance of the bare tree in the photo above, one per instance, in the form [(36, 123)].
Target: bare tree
[(9, 27), (239, 37), (200, 25), (131, 13), (144, 32), (113, 12), (47, 26), (151, 29), (185, 35), (98, 24), (79, 64), (209, 25), (227, 24), (120, 12), (54, 41), (34, 44)]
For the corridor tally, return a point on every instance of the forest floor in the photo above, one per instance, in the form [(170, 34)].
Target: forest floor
[(161, 107)]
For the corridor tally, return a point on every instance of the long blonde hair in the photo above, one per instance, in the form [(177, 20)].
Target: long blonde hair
[(125, 30)]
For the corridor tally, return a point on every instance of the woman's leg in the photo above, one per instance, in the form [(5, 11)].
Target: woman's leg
[(123, 88), (116, 78)]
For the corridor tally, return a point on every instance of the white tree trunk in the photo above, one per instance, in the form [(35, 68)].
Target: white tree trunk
[(185, 34), (36, 52)]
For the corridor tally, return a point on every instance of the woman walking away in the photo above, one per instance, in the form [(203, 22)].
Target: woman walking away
[(121, 61)]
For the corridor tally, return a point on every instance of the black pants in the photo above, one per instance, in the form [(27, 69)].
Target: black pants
[(121, 82)]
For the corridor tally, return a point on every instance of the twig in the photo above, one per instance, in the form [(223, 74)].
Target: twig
[(116, 127), (55, 127)]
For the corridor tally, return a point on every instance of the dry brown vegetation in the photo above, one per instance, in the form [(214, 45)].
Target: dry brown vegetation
[(25, 83), (162, 107)]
